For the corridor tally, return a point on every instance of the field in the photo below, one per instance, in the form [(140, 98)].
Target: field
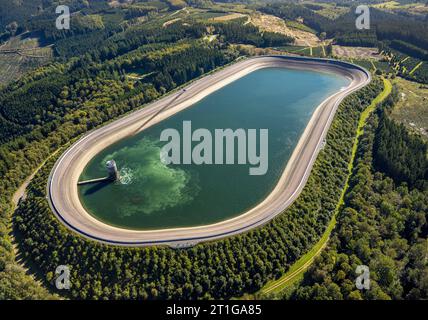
[(316, 51), (408, 67), (299, 26), (303, 36), (229, 7), (368, 58), (201, 15), (356, 52), (417, 8), (412, 107), (301, 50), (270, 23), (329, 10), (228, 17), (19, 55)]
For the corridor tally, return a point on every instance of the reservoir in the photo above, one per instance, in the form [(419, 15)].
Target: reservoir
[(152, 195)]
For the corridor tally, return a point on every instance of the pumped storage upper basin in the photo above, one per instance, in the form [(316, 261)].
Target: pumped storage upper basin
[(152, 195)]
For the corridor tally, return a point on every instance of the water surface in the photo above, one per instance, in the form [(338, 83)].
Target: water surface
[(153, 195)]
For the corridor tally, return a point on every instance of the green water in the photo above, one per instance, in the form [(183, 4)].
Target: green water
[(155, 195)]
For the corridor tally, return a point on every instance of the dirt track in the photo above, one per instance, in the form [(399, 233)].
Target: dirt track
[(62, 185)]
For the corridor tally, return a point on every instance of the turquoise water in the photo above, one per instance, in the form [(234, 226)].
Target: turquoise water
[(153, 195)]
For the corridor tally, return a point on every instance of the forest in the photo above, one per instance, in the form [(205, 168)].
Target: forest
[(82, 93), (409, 49), (236, 32), (403, 38), (103, 71), (405, 65), (401, 155), (40, 100), (221, 269), (385, 26), (383, 224)]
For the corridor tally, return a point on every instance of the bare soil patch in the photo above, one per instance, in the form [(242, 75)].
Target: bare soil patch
[(356, 52), (271, 23)]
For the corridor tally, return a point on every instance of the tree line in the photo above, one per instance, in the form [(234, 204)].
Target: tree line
[(53, 105), (383, 225), (399, 154), (236, 32), (385, 26)]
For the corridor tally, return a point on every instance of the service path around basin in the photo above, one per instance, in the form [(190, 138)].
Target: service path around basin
[(62, 184)]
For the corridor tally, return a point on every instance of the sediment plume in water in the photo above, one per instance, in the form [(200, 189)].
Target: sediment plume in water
[(147, 185)]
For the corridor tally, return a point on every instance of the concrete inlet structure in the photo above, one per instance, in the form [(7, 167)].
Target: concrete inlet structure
[(62, 185), (113, 174)]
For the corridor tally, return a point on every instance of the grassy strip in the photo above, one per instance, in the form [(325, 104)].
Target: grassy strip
[(303, 50), (299, 26), (415, 68), (374, 67), (323, 51), (295, 273), (404, 60)]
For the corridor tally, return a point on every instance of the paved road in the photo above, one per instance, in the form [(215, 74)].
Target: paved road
[(62, 184)]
